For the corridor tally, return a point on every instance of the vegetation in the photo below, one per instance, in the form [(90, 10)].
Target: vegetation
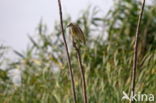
[(107, 61)]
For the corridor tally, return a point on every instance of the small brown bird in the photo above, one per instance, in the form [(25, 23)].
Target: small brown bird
[(76, 33)]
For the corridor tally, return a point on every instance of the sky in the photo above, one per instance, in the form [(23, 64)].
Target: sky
[(18, 18)]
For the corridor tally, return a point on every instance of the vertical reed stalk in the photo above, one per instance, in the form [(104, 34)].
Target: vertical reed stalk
[(66, 48), (82, 73), (135, 58)]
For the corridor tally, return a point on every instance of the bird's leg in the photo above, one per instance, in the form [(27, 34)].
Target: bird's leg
[(75, 45)]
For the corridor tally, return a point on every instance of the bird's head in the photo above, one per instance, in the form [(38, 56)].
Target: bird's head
[(70, 25)]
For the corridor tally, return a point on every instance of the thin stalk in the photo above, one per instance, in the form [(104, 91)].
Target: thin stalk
[(82, 72), (135, 58), (66, 48)]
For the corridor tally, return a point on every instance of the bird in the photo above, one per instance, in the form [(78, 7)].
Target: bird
[(76, 32)]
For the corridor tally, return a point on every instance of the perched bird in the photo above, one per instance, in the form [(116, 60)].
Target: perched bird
[(76, 33)]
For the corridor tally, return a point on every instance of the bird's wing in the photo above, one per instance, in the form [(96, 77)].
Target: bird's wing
[(81, 34)]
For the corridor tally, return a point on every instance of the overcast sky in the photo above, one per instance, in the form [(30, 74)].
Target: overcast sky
[(18, 18)]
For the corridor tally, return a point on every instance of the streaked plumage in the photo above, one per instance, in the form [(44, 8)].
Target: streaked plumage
[(76, 33)]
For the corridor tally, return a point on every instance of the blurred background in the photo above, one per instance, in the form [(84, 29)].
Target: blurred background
[(33, 65), (20, 17)]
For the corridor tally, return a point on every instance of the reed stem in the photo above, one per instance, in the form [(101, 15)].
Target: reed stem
[(67, 52)]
